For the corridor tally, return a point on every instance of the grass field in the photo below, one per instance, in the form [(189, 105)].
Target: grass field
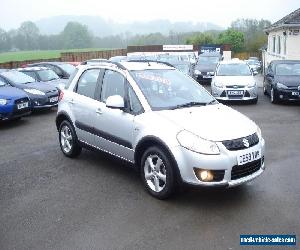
[(38, 54)]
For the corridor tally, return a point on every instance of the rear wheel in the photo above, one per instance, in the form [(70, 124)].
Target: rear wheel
[(157, 173), (68, 140)]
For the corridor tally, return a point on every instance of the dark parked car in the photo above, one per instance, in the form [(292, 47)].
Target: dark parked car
[(42, 95), (14, 103), (43, 74), (282, 80), (62, 69), (206, 65)]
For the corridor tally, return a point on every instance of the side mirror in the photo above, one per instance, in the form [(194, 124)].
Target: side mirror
[(115, 102)]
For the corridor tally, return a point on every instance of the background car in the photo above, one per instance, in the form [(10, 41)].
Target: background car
[(254, 66), (234, 80), (282, 81), (206, 65), (14, 103), (42, 95), (43, 74), (62, 69), (118, 58)]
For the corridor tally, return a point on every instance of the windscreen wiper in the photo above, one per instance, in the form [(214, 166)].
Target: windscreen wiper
[(212, 102), (189, 104)]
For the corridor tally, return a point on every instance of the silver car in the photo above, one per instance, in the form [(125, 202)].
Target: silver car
[(234, 81), (162, 121)]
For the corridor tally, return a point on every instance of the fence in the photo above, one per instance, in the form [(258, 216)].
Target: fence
[(69, 57)]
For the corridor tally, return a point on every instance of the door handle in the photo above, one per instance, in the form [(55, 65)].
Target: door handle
[(99, 111)]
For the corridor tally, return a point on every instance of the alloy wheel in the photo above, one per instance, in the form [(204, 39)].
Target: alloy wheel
[(155, 173), (66, 139)]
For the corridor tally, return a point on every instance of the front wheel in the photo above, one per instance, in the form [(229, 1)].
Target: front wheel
[(157, 173), (68, 140), (273, 96)]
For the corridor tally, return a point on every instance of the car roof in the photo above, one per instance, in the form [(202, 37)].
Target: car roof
[(34, 68), (214, 54), (142, 65), (233, 62), (53, 63), (285, 61)]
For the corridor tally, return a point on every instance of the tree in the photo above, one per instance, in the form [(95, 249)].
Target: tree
[(253, 31), (76, 36), (200, 39), (4, 40), (233, 37), (27, 36)]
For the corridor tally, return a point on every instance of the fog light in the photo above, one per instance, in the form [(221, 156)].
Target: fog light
[(204, 175), (281, 96)]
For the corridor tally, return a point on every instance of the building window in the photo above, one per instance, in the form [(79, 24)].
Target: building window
[(284, 45), (273, 44), (278, 45)]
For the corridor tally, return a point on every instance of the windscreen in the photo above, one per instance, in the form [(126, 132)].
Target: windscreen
[(288, 69), (17, 77), (235, 69), (167, 89)]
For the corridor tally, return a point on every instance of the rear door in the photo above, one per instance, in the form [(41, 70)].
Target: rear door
[(84, 103)]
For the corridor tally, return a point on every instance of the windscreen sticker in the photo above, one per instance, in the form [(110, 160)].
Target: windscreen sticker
[(153, 78)]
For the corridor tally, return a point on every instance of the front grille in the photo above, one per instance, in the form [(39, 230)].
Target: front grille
[(22, 100), (223, 94), (235, 86), (238, 172), (238, 144)]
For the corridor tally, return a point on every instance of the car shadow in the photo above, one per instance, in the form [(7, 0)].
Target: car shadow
[(12, 124)]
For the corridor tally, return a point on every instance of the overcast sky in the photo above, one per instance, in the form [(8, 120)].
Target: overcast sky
[(220, 12)]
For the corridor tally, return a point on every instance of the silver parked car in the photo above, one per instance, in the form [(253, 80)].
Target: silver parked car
[(163, 122), (234, 80)]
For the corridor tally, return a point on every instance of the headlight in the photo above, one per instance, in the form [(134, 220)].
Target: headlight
[(251, 85), (211, 73), (197, 72), (258, 131), (3, 101), (281, 86), (34, 91), (218, 84), (195, 143)]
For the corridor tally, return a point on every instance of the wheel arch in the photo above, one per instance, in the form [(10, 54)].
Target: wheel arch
[(149, 141), (60, 118)]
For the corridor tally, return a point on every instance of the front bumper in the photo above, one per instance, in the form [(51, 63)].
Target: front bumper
[(224, 94), (288, 94), (226, 161), (44, 102)]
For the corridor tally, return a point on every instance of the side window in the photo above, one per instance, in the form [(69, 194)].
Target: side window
[(273, 68), (134, 103), (113, 84), (87, 83), (55, 69), (30, 73)]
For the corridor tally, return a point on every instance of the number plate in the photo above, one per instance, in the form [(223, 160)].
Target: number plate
[(295, 93), (248, 156), (22, 105), (235, 92), (53, 99), (207, 76)]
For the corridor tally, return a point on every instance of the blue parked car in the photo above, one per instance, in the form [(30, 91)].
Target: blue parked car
[(14, 103), (41, 94)]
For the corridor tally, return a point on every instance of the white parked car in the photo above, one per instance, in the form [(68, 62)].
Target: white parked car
[(163, 122), (234, 80)]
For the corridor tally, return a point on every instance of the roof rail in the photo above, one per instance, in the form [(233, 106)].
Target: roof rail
[(99, 61), (148, 61)]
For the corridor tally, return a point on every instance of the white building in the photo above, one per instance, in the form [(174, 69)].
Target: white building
[(283, 39)]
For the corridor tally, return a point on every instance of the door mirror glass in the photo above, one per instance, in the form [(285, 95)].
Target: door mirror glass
[(115, 102)]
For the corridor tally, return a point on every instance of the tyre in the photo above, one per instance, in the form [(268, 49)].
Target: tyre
[(68, 140), (254, 101), (265, 90), (273, 96), (157, 173)]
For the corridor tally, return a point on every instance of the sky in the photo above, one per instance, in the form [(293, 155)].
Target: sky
[(220, 12)]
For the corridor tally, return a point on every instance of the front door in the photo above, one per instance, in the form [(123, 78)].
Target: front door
[(114, 127)]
